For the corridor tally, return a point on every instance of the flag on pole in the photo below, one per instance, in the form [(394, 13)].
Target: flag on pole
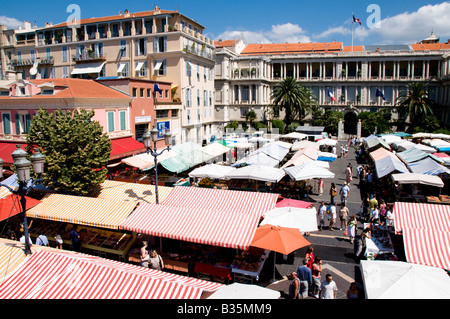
[(157, 89), (331, 95), (356, 20), (379, 93)]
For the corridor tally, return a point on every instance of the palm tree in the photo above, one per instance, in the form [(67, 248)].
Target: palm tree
[(415, 103), (290, 96)]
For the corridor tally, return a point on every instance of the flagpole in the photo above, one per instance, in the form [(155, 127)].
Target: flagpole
[(353, 21)]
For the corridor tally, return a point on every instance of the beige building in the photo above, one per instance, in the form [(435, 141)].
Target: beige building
[(156, 45), (246, 75)]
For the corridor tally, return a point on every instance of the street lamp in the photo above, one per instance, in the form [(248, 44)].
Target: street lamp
[(23, 166), (150, 137)]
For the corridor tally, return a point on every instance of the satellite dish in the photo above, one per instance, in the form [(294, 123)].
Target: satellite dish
[(33, 71)]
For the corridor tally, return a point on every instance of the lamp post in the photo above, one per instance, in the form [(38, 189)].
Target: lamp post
[(150, 137), (23, 166)]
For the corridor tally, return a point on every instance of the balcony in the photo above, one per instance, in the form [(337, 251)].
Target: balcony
[(199, 52), (88, 57), (28, 62)]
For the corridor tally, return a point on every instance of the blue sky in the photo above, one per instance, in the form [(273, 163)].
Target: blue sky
[(264, 21)]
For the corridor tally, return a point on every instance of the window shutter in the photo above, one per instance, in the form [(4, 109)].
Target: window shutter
[(17, 123), (110, 121), (156, 45), (123, 125), (27, 122), (6, 124)]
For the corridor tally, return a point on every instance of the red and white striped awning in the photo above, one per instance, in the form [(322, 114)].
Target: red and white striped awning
[(221, 200), (228, 229), (421, 216), (60, 275), (426, 232), (429, 247)]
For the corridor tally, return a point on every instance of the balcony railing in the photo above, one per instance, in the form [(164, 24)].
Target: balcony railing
[(200, 52), (88, 56)]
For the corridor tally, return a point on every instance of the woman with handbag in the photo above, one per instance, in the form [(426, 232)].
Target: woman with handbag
[(333, 193)]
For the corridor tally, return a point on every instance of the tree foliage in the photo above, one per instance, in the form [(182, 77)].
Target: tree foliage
[(415, 103), (329, 119), (296, 100), (76, 150), (379, 121)]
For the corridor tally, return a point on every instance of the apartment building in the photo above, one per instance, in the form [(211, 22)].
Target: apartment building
[(354, 76), (20, 100), (156, 45)]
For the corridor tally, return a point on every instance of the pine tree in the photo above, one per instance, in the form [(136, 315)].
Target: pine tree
[(76, 150)]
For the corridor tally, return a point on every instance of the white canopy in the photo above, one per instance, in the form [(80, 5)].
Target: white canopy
[(295, 135), (88, 68), (304, 144), (415, 178), (257, 172), (216, 149), (212, 171), (244, 291), (308, 171), (385, 279), (305, 219), (327, 141)]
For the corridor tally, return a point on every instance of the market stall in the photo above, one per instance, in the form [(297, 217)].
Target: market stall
[(426, 232), (380, 246), (257, 172), (62, 275), (401, 280)]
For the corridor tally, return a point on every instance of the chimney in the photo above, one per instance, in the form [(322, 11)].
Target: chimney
[(27, 25)]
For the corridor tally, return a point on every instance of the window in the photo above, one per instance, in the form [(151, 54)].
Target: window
[(123, 48), (4, 93), (23, 123), (6, 119), (140, 47), (47, 92), (64, 54), (160, 44), (188, 68), (65, 71), (110, 121), (174, 113), (198, 97), (48, 53), (245, 93), (149, 92), (160, 114), (141, 68), (19, 56), (134, 92), (188, 97), (149, 26), (160, 67), (123, 122), (122, 69), (33, 55)]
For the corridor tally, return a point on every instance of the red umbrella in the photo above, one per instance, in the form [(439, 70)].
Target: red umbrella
[(279, 239), (288, 202), (10, 206), (441, 154)]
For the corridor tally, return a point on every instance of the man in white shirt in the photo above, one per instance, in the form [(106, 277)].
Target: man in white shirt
[(333, 216), (328, 288), (344, 192), (321, 213), (42, 240)]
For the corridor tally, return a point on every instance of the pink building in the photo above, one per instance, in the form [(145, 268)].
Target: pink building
[(21, 99)]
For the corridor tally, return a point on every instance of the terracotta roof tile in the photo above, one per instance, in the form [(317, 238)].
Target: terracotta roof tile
[(430, 46), (225, 43), (356, 48), (290, 48)]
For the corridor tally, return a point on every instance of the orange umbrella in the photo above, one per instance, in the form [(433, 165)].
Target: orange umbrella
[(279, 239)]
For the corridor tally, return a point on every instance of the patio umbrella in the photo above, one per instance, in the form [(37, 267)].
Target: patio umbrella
[(327, 141), (289, 202), (244, 291), (279, 239), (257, 172), (304, 219), (308, 171)]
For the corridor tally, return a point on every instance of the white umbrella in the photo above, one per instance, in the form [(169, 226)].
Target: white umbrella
[(244, 291), (295, 135), (385, 279), (327, 141), (257, 172), (308, 171), (305, 219), (212, 171)]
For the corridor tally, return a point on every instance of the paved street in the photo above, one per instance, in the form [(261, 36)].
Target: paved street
[(333, 247)]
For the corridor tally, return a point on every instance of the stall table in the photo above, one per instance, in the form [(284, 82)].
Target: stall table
[(380, 246), (252, 273), (211, 272)]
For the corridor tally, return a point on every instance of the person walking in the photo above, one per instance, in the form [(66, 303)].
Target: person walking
[(344, 192), (348, 174), (305, 277), (76, 242), (322, 211), (316, 273), (294, 286), (328, 288), (333, 193), (343, 215), (351, 228), (332, 216)]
